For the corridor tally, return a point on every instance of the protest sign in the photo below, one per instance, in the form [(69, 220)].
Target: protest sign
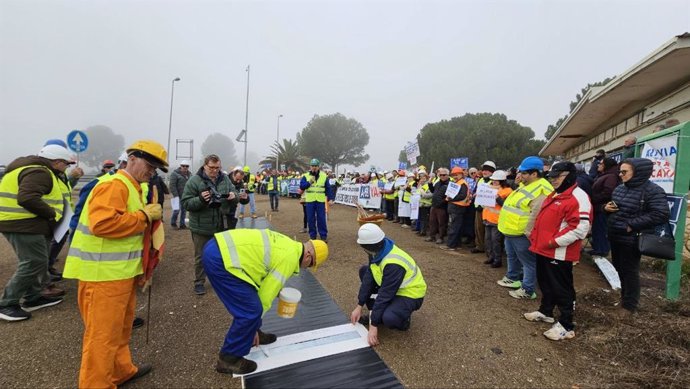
[(452, 190), (662, 152), (414, 206), (486, 196)]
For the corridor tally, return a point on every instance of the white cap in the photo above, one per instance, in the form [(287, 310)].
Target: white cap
[(423, 172), (370, 233), (389, 176), (56, 152), (184, 162), (238, 167), (372, 175), (410, 174), (499, 175), (489, 163)]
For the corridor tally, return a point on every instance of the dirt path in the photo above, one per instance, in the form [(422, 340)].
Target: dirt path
[(469, 332)]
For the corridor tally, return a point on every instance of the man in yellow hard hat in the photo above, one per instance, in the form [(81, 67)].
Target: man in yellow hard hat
[(106, 257), (247, 268)]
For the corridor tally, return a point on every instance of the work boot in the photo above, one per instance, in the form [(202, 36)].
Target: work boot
[(496, 264), (230, 364), (52, 291), (406, 324), (142, 370), (488, 261), (254, 216), (137, 322), (266, 338)]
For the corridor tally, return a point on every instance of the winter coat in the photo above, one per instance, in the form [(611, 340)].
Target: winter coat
[(641, 204), (161, 188), (584, 182), (603, 187), (562, 223), (204, 220), (33, 184), (178, 180), (438, 200)]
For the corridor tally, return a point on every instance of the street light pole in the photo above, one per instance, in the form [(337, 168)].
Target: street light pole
[(246, 120), (172, 96), (278, 143)]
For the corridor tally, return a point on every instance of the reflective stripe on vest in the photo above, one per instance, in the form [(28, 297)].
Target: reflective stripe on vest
[(240, 248), (317, 190), (250, 185), (516, 212), (93, 258), (9, 188), (413, 285)]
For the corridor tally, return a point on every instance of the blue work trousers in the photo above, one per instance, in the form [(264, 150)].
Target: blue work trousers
[(521, 260), (182, 213), (240, 299), (316, 218)]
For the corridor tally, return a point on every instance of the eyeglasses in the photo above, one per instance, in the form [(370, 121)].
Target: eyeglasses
[(622, 172), (212, 167), (442, 175)]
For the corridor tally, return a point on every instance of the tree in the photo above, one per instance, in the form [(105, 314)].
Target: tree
[(334, 139), (551, 129), (221, 146), (289, 155), (480, 137), (103, 144)]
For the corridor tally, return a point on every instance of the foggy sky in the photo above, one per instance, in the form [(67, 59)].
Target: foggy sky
[(392, 65)]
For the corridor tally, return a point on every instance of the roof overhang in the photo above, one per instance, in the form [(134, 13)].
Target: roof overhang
[(661, 72)]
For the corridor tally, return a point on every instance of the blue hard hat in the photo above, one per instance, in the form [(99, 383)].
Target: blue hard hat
[(58, 142), (531, 163)]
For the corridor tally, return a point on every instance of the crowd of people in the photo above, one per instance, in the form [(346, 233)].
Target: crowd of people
[(535, 221)]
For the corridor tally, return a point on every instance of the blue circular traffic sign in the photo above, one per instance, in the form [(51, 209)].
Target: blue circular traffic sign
[(77, 141)]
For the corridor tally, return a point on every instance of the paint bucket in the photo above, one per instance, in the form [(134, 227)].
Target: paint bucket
[(287, 302)]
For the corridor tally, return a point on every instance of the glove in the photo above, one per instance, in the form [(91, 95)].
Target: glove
[(153, 212)]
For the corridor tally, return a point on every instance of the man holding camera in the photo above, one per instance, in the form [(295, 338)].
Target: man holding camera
[(208, 197)]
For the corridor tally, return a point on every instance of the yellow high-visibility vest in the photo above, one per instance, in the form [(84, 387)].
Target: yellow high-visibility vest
[(263, 258), (423, 201), (516, 211), (10, 209), (93, 258), (413, 285), (317, 190)]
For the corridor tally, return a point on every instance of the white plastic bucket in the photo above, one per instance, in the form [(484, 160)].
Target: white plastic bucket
[(287, 302)]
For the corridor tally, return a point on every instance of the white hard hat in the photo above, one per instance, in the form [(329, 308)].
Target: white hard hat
[(499, 175), (123, 157), (410, 174), (372, 175), (489, 163), (238, 167), (370, 233), (423, 172), (184, 162), (56, 152)]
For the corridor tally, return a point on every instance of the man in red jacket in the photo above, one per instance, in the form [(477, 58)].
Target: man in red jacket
[(563, 222)]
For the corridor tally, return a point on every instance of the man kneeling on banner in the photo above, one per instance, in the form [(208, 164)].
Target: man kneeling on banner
[(392, 284)]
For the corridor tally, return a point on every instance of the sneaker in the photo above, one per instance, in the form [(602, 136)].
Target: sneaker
[(14, 313), (557, 332), (508, 283), (439, 241), (241, 217), (538, 316), (476, 251), (137, 322), (199, 289), (522, 294), (142, 370), (275, 210), (429, 239), (404, 226), (173, 225), (41, 302), (488, 261), (266, 338), (496, 264), (446, 248), (183, 227), (52, 291), (230, 364)]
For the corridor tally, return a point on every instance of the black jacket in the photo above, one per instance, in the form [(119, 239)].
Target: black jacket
[(438, 200), (641, 204)]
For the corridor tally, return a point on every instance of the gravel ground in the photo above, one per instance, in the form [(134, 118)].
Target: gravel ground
[(468, 333)]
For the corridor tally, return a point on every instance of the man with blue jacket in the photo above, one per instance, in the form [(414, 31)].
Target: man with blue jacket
[(394, 277)]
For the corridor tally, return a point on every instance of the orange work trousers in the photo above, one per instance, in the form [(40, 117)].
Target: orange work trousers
[(107, 309)]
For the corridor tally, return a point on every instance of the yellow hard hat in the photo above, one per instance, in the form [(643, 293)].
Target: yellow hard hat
[(320, 252), (153, 152)]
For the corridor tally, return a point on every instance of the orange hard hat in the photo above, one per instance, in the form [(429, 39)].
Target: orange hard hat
[(457, 170)]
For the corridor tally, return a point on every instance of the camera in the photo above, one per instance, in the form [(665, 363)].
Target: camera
[(215, 201)]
